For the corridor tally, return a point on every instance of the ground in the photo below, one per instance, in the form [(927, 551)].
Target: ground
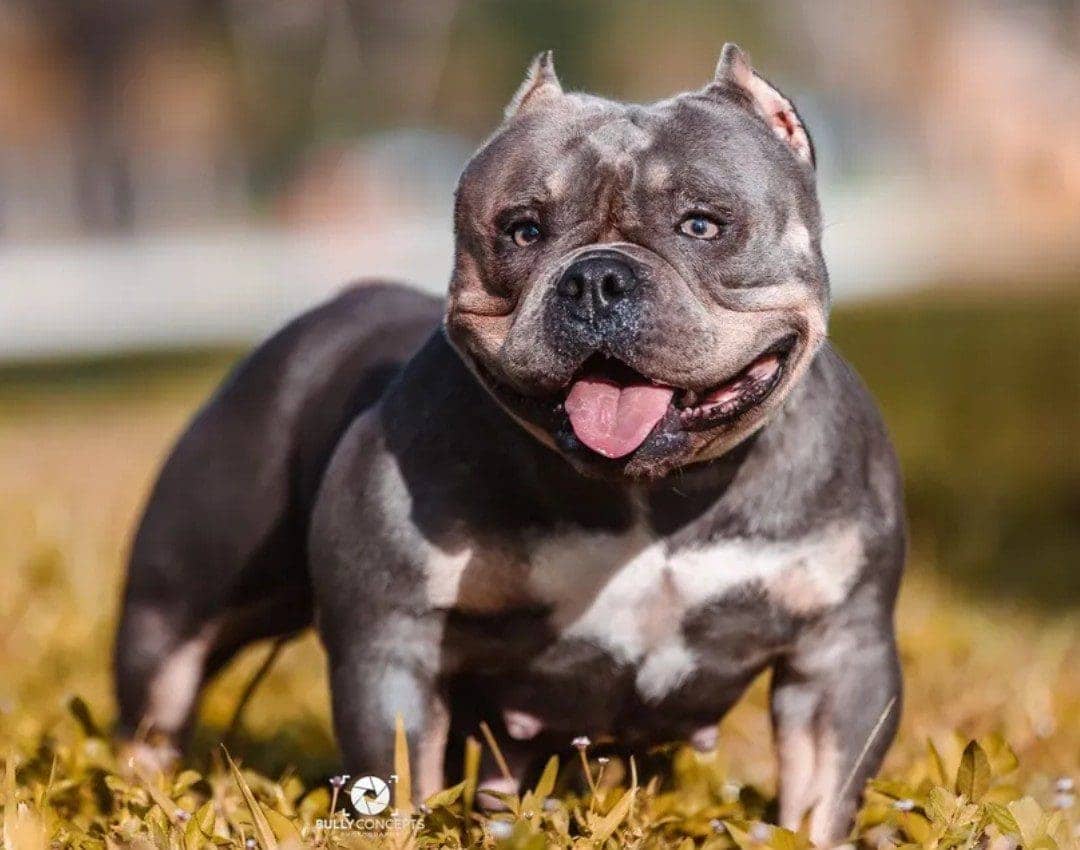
[(982, 398)]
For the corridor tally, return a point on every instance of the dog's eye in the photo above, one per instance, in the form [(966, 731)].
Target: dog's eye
[(699, 227), (524, 233)]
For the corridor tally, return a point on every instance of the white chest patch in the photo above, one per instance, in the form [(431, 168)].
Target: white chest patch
[(626, 593)]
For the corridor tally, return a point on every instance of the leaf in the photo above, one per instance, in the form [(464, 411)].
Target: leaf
[(314, 803), (942, 805), (446, 798), (1002, 819), (916, 826), (606, 825), (1029, 819), (471, 771), (546, 784), (1057, 829), (81, 712), (1002, 758), (938, 765), (184, 781), (262, 827), (893, 789), (159, 836), (512, 802), (197, 833), (163, 801), (204, 819), (9, 800), (739, 835), (973, 776), (283, 828), (783, 839), (403, 786)]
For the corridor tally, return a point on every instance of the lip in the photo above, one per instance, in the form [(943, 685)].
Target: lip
[(687, 413), (720, 404), (737, 396)]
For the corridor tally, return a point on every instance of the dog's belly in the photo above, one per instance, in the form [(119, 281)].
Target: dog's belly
[(681, 632)]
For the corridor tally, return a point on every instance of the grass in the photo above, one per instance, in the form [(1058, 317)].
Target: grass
[(984, 405)]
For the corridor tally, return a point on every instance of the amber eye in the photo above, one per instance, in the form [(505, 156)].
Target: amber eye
[(699, 227), (524, 233)]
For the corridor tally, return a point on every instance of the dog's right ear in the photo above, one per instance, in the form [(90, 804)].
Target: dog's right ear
[(540, 84)]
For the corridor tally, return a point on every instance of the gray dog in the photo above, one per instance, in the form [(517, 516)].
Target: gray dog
[(619, 475)]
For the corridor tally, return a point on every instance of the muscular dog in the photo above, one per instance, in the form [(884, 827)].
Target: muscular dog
[(620, 474)]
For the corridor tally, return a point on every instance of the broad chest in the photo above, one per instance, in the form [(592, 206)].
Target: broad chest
[(661, 611)]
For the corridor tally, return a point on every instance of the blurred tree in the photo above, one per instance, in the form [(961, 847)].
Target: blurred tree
[(94, 37)]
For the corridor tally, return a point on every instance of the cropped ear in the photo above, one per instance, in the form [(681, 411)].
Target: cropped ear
[(734, 72), (540, 84)]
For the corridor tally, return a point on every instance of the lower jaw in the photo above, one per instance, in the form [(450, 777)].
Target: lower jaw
[(671, 444)]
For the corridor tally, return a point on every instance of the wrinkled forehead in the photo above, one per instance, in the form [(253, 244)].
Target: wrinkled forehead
[(684, 145)]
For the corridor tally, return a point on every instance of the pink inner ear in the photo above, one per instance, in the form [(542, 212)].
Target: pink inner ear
[(785, 123), (786, 119), (778, 113)]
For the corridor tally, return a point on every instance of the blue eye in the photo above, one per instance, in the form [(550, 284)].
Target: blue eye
[(525, 233), (699, 227)]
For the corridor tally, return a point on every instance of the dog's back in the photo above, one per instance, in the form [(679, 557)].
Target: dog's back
[(219, 556)]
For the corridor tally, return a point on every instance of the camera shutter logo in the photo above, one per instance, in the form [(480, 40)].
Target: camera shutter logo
[(370, 795)]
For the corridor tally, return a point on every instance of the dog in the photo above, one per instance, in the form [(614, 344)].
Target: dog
[(616, 476)]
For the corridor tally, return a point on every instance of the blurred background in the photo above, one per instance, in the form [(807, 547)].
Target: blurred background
[(193, 171), (179, 177)]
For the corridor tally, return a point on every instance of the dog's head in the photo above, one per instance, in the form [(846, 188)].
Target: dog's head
[(640, 286)]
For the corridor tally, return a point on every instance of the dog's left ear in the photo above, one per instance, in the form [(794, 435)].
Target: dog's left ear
[(540, 84), (735, 74)]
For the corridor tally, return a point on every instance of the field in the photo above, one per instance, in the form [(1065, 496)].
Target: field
[(984, 404)]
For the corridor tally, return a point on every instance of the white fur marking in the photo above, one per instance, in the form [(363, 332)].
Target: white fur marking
[(795, 748), (704, 739), (173, 689), (664, 669), (623, 592), (522, 726), (558, 182), (444, 573), (826, 782), (657, 175), (796, 237)]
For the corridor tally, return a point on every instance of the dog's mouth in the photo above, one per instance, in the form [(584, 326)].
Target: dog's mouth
[(613, 408)]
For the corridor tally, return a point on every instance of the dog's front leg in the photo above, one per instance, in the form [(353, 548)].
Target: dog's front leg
[(835, 708), (388, 667)]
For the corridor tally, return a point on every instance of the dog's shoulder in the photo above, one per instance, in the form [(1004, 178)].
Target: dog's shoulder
[(860, 473), (824, 459), (849, 418)]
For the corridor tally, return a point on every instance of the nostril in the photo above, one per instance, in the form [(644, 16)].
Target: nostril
[(571, 286), (612, 285)]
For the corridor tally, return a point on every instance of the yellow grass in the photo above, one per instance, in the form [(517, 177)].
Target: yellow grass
[(73, 474)]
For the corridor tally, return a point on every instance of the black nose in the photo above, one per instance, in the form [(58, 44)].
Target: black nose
[(593, 283)]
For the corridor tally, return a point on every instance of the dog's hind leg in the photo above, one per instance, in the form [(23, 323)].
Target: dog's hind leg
[(163, 660), (219, 559), (160, 662)]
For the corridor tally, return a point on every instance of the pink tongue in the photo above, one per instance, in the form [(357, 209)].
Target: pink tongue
[(613, 420)]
